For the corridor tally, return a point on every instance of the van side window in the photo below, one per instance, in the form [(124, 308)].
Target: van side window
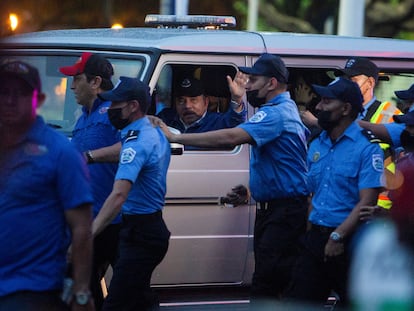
[(60, 109), (390, 81), (195, 98), (300, 86), (301, 79)]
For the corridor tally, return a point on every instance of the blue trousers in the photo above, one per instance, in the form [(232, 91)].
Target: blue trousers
[(143, 244), (314, 276), (278, 226), (105, 253)]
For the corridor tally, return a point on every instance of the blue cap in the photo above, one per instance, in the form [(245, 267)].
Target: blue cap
[(344, 90), (268, 65), (360, 66), (406, 94), (22, 70), (128, 89), (407, 119)]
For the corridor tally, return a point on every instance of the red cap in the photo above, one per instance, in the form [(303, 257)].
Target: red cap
[(78, 67)]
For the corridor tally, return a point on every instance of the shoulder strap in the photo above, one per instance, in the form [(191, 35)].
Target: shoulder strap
[(371, 110), (370, 136)]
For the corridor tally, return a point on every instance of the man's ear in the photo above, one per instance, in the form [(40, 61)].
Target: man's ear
[(347, 109), (135, 106), (41, 97), (96, 82), (273, 83)]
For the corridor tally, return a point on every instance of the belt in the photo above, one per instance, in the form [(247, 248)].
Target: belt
[(322, 229), (141, 218), (280, 202)]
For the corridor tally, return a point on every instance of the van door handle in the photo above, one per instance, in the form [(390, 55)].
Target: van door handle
[(192, 201)]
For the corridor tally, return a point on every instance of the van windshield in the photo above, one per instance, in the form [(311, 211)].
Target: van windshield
[(60, 109)]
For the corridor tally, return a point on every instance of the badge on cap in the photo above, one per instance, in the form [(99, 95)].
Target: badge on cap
[(186, 83), (350, 63), (127, 155)]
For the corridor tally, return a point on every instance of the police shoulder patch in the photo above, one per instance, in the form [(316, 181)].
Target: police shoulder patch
[(131, 135), (377, 162), (127, 155), (258, 116), (370, 136)]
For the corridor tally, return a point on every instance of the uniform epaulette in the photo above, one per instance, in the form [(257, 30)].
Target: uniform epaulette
[(371, 136), (131, 135)]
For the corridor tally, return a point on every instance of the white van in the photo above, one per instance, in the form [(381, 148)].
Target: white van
[(210, 244)]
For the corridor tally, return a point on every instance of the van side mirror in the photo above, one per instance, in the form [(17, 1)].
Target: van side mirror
[(176, 149)]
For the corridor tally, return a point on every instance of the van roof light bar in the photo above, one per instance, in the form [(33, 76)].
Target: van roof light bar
[(195, 21)]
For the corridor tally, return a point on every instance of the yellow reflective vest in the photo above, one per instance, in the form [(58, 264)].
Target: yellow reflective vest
[(381, 113)]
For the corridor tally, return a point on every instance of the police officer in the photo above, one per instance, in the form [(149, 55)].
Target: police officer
[(138, 191), (345, 171), (44, 190), (382, 273), (366, 74), (391, 132), (406, 98), (92, 75), (278, 170)]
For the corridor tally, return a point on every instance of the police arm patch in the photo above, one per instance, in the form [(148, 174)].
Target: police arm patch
[(258, 116), (127, 156), (377, 162)]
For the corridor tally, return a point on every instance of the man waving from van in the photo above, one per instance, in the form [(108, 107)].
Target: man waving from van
[(278, 171)]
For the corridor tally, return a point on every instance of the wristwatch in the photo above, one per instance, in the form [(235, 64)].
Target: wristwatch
[(82, 298), (335, 236), (89, 156)]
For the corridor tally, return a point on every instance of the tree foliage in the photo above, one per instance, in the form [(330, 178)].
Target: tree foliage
[(383, 18)]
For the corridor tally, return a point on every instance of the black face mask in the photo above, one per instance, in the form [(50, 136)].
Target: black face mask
[(115, 117), (325, 122), (254, 100), (407, 141)]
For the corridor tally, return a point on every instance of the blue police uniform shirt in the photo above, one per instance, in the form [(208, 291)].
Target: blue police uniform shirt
[(144, 161), (40, 179), (366, 107), (209, 122), (395, 130), (338, 171), (92, 131), (278, 166)]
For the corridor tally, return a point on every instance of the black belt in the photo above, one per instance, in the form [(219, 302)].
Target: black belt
[(280, 202), (141, 218), (323, 229)]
